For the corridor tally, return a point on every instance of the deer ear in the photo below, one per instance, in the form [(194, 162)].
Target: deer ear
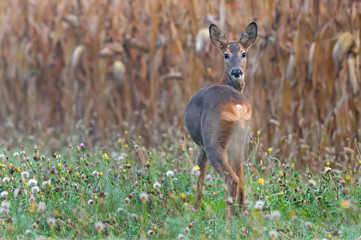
[(249, 35), (218, 37)]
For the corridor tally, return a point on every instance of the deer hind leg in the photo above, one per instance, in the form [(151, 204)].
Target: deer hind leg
[(202, 164), (241, 192), (218, 158)]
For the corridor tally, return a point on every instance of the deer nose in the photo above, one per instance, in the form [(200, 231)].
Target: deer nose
[(236, 73)]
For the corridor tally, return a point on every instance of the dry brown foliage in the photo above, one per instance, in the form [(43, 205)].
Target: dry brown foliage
[(98, 67)]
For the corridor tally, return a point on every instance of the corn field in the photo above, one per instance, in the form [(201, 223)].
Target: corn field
[(92, 69)]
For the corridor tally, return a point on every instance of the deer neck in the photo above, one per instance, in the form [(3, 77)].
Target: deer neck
[(228, 80)]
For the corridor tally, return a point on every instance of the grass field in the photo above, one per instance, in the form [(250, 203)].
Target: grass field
[(130, 192)]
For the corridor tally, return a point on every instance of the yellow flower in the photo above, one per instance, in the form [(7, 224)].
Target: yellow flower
[(18, 169), (328, 163), (119, 140), (124, 170), (260, 181), (77, 173), (183, 195), (59, 164), (214, 193), (95, 197), (281, 173), (3, 169), (155, 228), (182, 146), (42, 143), (49, 184), (35, 147), (125, 132), (26, 183), (140, 137), (196, 167), (329, 235), (347, 177), (345, 204), (325, 167), (3, 223), (100, 173), (126, 145), (343, 180), (106, 156), (78, 148), (269, 150)]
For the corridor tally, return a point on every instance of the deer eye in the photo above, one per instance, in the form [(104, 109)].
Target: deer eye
[(226, 56), (244, 55)]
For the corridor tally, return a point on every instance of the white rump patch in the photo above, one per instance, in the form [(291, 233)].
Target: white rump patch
[(239, 108)]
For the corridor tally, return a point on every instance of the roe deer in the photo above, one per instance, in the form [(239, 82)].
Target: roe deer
[(217, 118)]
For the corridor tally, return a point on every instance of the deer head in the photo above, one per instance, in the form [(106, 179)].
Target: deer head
[(234, 52)]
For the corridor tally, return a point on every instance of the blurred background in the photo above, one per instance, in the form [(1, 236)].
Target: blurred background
[(88, 70)]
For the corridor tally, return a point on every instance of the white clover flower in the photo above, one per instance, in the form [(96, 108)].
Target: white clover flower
[(143, 197), (259, 205), (46, 183), (95, 173), (35, 189), (170, 173), (6, 179), (4, 194), (156, 185), (273, 234), (150, 232), (312, 183), (25, 174), (6, 204), (41, 207), (91, 201), (33, 182), (99, 226), (275, 215), (28, 232), (196, 171), (51, 222)]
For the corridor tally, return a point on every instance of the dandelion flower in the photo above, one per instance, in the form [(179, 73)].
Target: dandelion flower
[(16, 154), (35, 189), (143, 197), (328, 169), (260, 181), (275, 215), (259, 205), (170, 173), (25, 174), (312, 183), (346, 204), (99, 226), (41, 207), (6, 179), (33, 182), (150, 232), (51, 222), (91, 201), (273, 234), (4, 194), (156, 185)]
